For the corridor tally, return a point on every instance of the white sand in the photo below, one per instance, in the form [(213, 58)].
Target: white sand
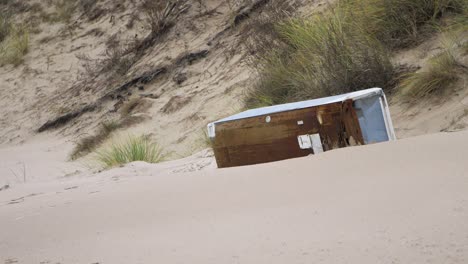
[(400, 202), (43, 158)]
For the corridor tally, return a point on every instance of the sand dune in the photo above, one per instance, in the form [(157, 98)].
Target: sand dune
[(399, 202)]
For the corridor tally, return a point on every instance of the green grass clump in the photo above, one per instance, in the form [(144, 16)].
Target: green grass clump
[(400, 23), (14, 47), (347, 48), (5, 26), (445, 69), (460, 23), (441, 73), (133, 149), (324, 55)]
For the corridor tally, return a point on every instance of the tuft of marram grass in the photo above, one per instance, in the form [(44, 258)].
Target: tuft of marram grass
[(324, 55), (347, 48), (14, 47), (5, 26), (400, 23), (132, 149), (439, 75)]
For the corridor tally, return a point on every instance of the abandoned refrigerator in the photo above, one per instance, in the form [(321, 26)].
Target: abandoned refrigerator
[(299, 129)]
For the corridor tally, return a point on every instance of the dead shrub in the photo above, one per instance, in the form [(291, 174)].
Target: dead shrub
[(258, 33), (121, 55), (129, 106), (160, 17), (90, 143), (116, 60)]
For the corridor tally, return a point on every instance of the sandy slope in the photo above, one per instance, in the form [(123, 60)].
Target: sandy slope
[(43, 158), (400, 202), (44, 86)]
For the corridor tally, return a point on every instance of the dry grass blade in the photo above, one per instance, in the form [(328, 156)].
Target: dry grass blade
[(161, 15)]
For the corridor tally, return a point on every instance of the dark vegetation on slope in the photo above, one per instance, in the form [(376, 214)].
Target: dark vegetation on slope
[(89, 143), (119, 59), (347, 48), (121, 56)]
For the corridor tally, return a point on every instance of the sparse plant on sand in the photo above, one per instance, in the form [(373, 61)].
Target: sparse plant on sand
[(129, 106), (441, 72), (88, 144), (64, 10), (160, 14), (206, 141), (134, 148), (160, 17), (15, 46), (400, 23)]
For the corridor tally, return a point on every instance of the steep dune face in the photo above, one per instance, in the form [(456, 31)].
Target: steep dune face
[(191, 74), (84, 71), (446, 112), (383, 203)]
